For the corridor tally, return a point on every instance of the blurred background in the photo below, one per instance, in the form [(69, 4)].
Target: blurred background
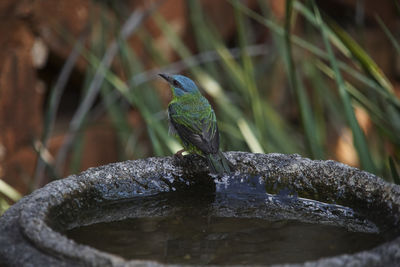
[(79, 85)]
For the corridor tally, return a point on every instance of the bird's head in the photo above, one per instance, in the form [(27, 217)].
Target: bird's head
[(180, 84)]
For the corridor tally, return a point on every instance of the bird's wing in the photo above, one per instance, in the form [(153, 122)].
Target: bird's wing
[(197, 127)]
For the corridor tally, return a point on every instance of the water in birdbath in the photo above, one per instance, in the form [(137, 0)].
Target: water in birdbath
[(237, 223)]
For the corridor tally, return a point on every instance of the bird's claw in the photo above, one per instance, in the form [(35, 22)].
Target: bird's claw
[(178, 154)]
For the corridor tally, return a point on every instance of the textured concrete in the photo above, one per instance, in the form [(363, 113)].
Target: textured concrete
[(27, 229)]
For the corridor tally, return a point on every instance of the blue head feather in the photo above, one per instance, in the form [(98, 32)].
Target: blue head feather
[(183, 85)]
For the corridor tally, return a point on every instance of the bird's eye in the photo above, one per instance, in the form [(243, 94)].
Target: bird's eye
[(175, 83)]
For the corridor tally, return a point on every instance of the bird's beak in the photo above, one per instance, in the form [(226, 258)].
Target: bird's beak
[(166, 77)]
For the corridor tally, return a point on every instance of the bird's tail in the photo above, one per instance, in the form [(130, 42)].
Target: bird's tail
[(218, 163)]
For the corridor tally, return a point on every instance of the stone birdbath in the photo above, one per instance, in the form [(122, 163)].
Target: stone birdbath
[(274, 210)]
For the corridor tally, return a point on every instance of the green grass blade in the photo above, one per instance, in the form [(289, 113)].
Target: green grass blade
[(3, 205), (316, 50), (346, 44), (297, 86), (9, 191), (347, 49), (356, 94), (201, 32), (397, 6), (248, 76), (358, 135), (133, 97), (148, 103), (249, 136), (75, 164), (393, 171), (367, 63), (117, 115), (388, 34), (132, 23), (51, 110)]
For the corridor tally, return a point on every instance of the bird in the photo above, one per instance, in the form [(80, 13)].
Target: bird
[(192, 120)]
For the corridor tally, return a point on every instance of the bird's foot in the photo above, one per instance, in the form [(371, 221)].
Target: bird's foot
[(178, 154), (179, 159)]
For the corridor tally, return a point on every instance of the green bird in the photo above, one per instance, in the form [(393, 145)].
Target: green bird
[(193, 122)]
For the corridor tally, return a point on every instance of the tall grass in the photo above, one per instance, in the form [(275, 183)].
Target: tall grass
[(327, 75), (236, 80)]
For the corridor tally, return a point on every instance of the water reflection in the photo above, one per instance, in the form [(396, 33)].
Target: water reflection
[(188, 239), (237, 220)]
